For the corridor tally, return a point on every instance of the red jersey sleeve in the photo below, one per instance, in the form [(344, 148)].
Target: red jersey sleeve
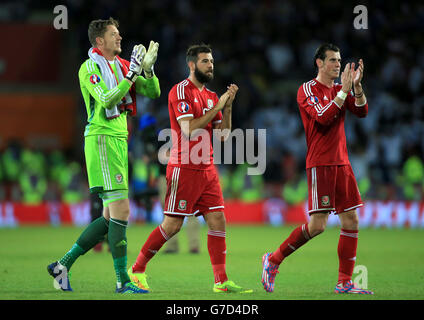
[(180, 102), (360, 111), (310, 100)]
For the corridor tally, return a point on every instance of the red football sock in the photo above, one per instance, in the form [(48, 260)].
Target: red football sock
[(346, 250), (217, 252), (152, 245), (296, 239)]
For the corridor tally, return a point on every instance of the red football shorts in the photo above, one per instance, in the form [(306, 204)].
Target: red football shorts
[(192, 192), (332, 188)]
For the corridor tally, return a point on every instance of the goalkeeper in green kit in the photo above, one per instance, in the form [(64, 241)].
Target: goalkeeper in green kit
[(109, 85)]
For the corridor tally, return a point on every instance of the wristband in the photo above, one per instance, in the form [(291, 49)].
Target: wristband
[(132, 76), (342, 95), (359, 95)]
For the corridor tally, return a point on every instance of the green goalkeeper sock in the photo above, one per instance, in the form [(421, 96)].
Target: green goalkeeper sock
[(118, 247), (69, 258), (92, 235)]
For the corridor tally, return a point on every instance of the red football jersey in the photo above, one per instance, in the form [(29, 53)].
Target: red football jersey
[(323, 121), (186, 100)]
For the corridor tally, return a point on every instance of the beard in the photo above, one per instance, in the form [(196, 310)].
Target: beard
[(117, 51), (202, 77), (114, 49)]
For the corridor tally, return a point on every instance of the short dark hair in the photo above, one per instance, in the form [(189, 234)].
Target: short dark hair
[(322, 49), (97, 28), (195, 49)]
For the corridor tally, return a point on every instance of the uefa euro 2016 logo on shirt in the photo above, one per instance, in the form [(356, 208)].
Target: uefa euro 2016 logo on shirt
[(183, 107), (94, 79), (312, 100)]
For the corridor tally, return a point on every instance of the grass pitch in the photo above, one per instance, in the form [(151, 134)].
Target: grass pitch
[(394, 260)]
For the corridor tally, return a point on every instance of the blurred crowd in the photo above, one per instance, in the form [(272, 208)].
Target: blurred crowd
[(267, 48)]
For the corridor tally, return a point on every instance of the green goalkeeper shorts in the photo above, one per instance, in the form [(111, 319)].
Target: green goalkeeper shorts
[(107, 163)]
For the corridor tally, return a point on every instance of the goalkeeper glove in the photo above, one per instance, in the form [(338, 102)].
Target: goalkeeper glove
[(150, 58), (136, 64)]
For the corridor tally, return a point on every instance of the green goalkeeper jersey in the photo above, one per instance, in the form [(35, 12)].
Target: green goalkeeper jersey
[(97, 97)]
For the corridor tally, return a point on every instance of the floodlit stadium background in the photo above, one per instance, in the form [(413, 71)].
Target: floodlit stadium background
[(266, 48)]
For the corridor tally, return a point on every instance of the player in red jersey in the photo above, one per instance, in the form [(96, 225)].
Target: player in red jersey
[(192, 180), (331, 182)]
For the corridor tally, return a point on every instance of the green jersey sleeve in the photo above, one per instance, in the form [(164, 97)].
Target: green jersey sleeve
[(148, 87), (91, 79), (97, 97)]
